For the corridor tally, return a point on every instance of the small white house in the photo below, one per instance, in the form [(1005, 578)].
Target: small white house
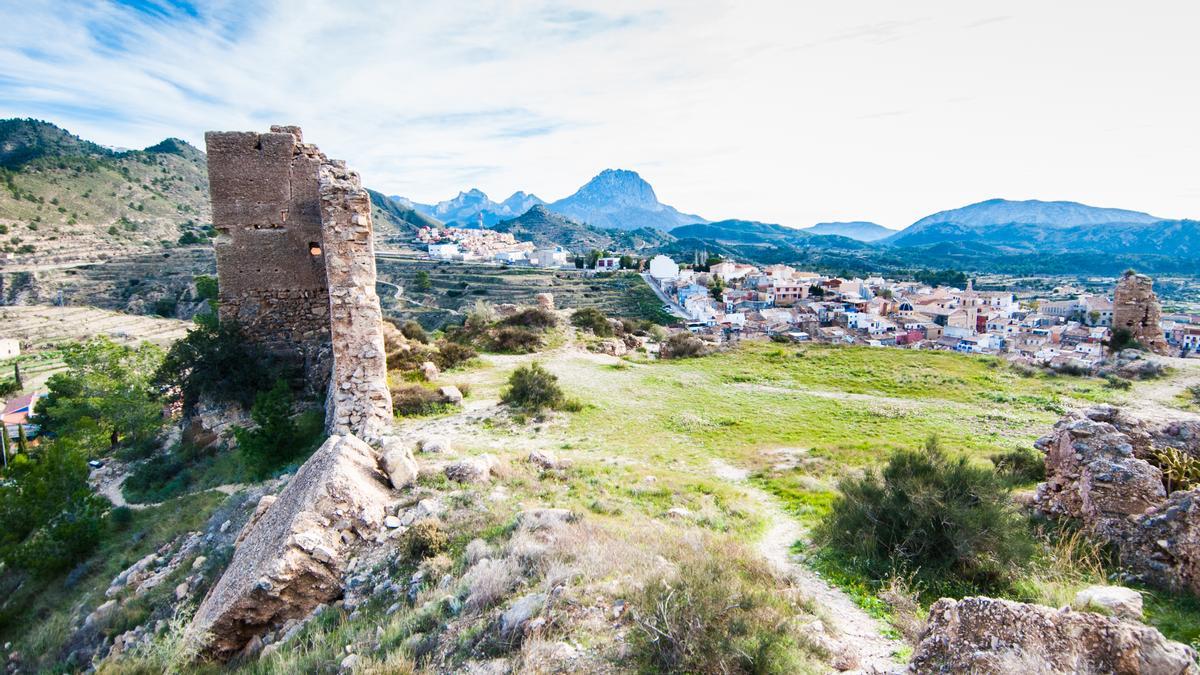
[(608, 264), (445, 251), (663, 268), (9, 347), (555, 256)]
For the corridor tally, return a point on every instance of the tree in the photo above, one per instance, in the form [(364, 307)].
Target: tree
[(17, 376), (532, 388), (106, 395), (215, 360), (22, 440), (628, 262), (422, 281), (716, 287), (278, 439)]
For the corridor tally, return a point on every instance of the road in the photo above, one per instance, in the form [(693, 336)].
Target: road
[(670, 304)]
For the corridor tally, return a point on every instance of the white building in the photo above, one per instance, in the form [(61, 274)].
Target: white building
[(663, 268), (608, 264), (550, 257), (444, 251), (9, 347)]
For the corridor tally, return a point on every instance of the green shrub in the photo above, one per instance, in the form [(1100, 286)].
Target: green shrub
[(533, 389), (1117, 382), (278, 439), (1194, 390), (1020, 466), (121, 517), (943, 520), (1122, 338), (532, 317), (414, 331), (216, 360), (590, 318), (206, 287), (721, 612), (451, 355), (1180, 470)]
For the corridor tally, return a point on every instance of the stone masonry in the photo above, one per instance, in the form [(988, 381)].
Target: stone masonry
[(359, 400), (1136, 308), (297, 268)]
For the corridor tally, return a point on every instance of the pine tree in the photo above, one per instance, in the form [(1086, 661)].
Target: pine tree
[(17, 376), (22, 440)]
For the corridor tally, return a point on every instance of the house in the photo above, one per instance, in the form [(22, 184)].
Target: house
[(444, 251), (17, 412), (555, 256), (608, 264), (663, 268), (9, 347)]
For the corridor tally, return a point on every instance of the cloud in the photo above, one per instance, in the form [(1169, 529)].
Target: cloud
[(750, 110)]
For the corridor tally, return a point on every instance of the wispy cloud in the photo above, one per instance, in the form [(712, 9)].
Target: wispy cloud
[(752, 110)]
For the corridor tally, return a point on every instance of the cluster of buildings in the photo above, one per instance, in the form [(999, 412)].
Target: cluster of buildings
[(733, 299), (470, 244)]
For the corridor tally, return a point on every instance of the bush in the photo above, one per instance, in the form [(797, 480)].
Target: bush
[(414, 399), (516, 340), (721, 612), (451, 355), (121, 517), (1194, 390), (1020, 466), (217, 361), (944, 520), (1117, 382), (1121, 339), (532, 388), (590, 318), (279, 439), (532, 317), (424, 539), (682, 346), (414, 331)]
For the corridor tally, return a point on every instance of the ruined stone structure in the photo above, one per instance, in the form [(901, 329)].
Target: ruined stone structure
[(296, 265), (1136, 308)]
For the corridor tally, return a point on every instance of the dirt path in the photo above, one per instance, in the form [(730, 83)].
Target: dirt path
[(1158, 400), (108, 480), (849, 623)]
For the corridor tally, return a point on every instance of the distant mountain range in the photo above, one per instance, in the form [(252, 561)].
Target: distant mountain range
[(544, 227), (473, 208), (859, 230)]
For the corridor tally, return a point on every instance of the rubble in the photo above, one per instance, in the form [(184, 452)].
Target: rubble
[(291, 558)]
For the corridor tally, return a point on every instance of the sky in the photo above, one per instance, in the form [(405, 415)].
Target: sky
[(792, 112)]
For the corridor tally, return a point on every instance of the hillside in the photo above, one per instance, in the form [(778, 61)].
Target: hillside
[(621, 199), (858, 230), (546, 228), (474, 208), (64, 199)]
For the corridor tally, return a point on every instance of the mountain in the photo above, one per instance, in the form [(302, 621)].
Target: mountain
[(391, 217), (858, 230), (544, 227), (65, 199), (465, 209), (621, 199), (980, 221), (740, 231)]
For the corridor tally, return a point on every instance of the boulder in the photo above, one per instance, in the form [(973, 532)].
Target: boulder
[(987, 635), (1118, 601), (472, 470), (544, 459), (433, 444), (1163, 548), (292, 558), (429, 371), (516, 617), (450, 394), (398, 463)]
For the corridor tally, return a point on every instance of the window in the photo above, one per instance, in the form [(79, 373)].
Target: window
[(314, 249)]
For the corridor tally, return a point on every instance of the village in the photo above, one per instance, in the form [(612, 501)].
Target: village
[(733, 301)]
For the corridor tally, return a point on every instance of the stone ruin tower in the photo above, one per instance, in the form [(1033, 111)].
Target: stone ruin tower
[(296, 264), (1136, 308)]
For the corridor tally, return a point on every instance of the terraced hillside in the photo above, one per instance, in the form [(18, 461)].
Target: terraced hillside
[(41, 328), (456, 286), (142, 283)]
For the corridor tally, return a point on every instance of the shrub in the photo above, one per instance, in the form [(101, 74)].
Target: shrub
[(590, 318), (414, 399), (1194, 390), (1020, 465), (682, 346), (516, 340), (943, 520), (532, 317), (1117, 382), (1121, 339), (489, 580), (451, 355), (414, 331), (424, 539), (532, 388), (279, 439), (216, 360), (1180, 470), (719, 613), (121, 517)]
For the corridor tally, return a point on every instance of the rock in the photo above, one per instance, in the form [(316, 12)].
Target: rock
[(134, 573), (292, 559), (679, 512), (472, 470), (398, 463), (263, 504), (181, 591), (429, 371), (545, 300), (349, 662), (518, 615), (199, 562), (544, 459), (450, 394), (391, 522), (433, 444), (101, 614), (1118, 601), (1163, 546), (987, 635)]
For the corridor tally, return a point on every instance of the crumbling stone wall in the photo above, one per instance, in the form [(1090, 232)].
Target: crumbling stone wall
[(296, 265), (359, 400), (266, 209), (1136, 308)]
